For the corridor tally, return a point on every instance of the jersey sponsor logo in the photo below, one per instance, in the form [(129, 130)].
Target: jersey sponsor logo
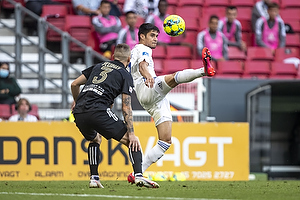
[(130, 89), (145, 53)]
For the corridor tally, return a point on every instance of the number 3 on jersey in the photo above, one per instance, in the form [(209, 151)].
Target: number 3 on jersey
[(103, 75)]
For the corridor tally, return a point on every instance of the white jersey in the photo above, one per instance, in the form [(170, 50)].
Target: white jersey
[(138, 54), (28, 118)]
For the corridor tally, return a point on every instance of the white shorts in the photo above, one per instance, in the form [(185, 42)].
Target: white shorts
[(153, 99)]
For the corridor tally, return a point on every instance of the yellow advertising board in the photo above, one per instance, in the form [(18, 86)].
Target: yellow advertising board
[(57, 151)]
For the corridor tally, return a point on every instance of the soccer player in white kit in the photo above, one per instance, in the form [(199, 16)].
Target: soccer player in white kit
[(151, 89)]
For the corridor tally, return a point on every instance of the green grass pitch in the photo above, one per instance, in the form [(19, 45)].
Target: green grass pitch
[(196, 190)]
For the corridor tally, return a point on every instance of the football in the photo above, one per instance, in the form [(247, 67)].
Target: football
[(174, 25), (178, 176)]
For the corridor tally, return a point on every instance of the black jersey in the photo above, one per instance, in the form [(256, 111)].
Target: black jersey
[(105, 81)]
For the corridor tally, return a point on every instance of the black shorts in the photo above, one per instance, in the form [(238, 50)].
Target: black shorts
[(106, 123)]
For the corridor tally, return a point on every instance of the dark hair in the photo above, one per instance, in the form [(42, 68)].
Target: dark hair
[(213, 17), (163, 1), (145, 28), (231, 8), (130, 12), (3, 63), (273, 5), (103, 2)]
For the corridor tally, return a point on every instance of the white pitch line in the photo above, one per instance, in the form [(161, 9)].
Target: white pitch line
[(105, 196)]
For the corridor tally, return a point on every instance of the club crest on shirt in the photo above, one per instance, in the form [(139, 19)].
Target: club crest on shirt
[(145, 53)]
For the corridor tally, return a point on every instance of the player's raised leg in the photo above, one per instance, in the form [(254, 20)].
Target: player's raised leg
[(188, 75)]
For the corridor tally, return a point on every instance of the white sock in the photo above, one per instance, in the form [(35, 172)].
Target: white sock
[(155, 154), (188, 75)]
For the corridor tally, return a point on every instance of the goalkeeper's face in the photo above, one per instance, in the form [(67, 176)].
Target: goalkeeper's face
[(150, 40)]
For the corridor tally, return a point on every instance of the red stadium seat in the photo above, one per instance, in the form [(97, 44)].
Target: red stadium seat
[(283, 70), (187, 37), (257, 69), (292, 40), (191, 24), (259, 53), (174, 65), (189, 12), (78, 27), (246, 25), (244, 13), (158, 66), (234, 53), (5, 111), (140, 21), (283, 53), (171, 10), (207, 12), (179, 52), (55, 14), (173, 2), (290, 14), (247, 38), (191, 2), (245, 3), (67, 3), (290, 3), (295, 24), (229, 69), (123, 20), (159, 52), (217, 3), (6, 5)]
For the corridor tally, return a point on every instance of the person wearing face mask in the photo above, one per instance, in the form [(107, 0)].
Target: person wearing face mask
[(9, 87)]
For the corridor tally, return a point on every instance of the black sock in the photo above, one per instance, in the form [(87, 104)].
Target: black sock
[(94, 157), (136, 160)]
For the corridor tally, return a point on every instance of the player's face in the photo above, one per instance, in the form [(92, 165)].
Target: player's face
[(151, 39), (23, 108), (131, 19), (162, 7), (231, 15), (105, 9), (273, 12), (213, 25)]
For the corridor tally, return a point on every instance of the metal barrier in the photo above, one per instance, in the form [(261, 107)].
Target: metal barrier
[(43, 25)]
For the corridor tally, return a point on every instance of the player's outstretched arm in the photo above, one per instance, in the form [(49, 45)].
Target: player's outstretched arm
[(75, 86), (143, 68), (127, 113)]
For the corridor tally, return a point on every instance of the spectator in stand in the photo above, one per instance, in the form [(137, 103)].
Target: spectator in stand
[(141, 7), (129, 34), (232, 28), (9, 87), (270, 32), (107, 28), (36, 6), (260, 9), (214, 40), (115, 8), (23, 107), (84, 7), (157, 19)]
